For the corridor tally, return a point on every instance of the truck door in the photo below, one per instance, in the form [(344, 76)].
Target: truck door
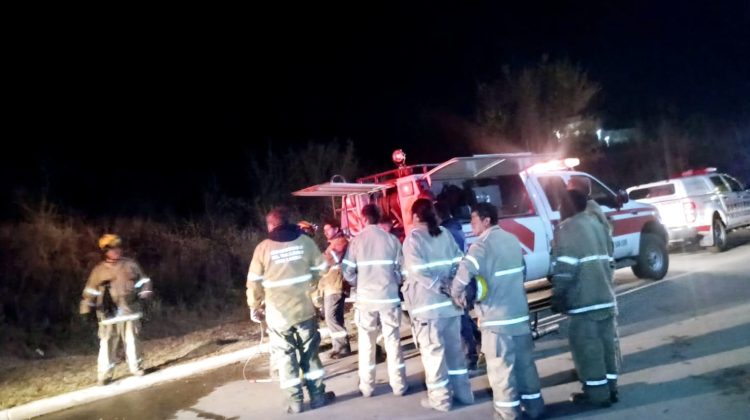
[(727, 200), (741, 199), (627, 222)]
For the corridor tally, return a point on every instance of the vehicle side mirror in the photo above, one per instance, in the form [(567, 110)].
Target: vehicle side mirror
[(622, 198)]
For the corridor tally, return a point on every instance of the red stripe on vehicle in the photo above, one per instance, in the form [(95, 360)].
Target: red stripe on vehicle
[(706, 228), (524, 234), (631, 225)]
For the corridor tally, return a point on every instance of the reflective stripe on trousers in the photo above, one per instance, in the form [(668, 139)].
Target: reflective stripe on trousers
[(592, 308)]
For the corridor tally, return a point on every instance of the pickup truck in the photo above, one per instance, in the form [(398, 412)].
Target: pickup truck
[(699, 205), (526, 188)]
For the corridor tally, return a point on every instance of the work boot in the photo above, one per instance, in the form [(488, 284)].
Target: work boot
[(102, 380), (344, 352), (425, 403), (402, 392), (293, 407), (139, 372), (322, 399), (614, 396), (366, 391), (580, 398)]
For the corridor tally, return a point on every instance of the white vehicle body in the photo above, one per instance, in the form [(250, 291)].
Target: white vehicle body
[(700, 206)]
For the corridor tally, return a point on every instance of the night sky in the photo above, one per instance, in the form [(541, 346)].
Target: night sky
[(157, 109)]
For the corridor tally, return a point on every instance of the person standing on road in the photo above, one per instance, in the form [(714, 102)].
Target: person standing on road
[(593, 209), (373, 265), (582, 288), (278, 287), (468, 326), (431, 257), (333, 289), (496, 258), (114, 290)]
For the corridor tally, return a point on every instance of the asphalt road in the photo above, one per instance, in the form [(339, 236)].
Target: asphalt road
[(685, 343)]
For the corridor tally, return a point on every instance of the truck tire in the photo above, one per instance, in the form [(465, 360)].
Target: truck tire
[(719, 232), (653, 260)]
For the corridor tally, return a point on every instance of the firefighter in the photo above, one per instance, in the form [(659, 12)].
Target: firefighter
[(114, 290), (583, 185), (333, 290), (373, 265), (468, 326), (497, 260), (279, 280), (583, 289), (431, 257)]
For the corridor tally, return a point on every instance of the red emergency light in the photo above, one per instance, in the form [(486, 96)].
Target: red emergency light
[(701, 171), (398, 157)]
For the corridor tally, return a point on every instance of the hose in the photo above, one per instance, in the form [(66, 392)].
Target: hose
[(253, 354)]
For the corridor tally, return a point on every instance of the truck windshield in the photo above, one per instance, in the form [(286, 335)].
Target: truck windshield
[(652, 192)]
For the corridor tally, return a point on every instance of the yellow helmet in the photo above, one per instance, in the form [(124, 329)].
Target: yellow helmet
[(481, 287), (109, 240), (308, 227)]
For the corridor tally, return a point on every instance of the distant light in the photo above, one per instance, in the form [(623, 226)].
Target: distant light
[(599, 134), (557, 134)]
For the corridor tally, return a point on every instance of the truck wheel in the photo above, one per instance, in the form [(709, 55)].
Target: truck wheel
[(653, 260), (720, 236)]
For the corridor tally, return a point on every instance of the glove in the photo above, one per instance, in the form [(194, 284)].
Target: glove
[(556, 304), (86, 308), (445, 289), (257, 315), (88, 316)]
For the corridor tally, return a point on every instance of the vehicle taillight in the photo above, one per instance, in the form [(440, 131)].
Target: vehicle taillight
[(690, 211)]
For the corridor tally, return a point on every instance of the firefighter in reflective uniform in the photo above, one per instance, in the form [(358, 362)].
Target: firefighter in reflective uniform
[(469, 330), (583, 185), (373, 266), (333, 289), (496, 260), (281, 274), (114, 289), (582, 282), (431, 258)]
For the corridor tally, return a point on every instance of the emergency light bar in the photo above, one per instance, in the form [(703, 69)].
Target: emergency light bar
[(554, 165), (701, 171)]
